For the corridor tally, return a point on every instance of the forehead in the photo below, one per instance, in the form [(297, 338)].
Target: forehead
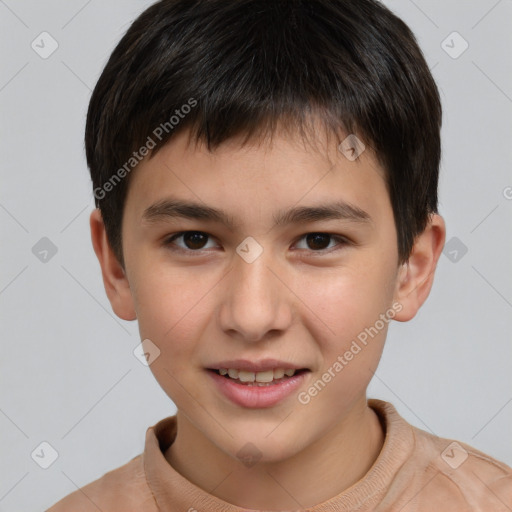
[(260, 179)]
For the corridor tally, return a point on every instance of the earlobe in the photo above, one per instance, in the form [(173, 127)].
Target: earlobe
[(416, 276), (115, 281)]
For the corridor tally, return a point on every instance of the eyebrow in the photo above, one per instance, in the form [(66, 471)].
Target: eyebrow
[(175, 208)]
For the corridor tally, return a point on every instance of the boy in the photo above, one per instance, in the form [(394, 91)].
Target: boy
[(258, 129)]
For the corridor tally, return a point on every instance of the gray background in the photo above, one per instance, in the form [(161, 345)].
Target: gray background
[(68, 373)]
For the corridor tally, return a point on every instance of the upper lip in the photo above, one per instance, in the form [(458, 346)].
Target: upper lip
[(255, 366)]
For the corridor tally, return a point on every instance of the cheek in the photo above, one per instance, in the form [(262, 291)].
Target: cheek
[(344, 302), (169, 308), (171, 313), (350, 333)]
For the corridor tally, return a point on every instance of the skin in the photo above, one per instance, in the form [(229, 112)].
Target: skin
[(294, 303)]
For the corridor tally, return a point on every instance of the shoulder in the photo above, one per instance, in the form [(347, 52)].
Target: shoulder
[(121, 490), (461, 477)]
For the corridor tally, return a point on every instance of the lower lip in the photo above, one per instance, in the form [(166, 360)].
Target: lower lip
[(257, 397)]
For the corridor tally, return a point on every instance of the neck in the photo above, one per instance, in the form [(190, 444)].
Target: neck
[(334, 463)]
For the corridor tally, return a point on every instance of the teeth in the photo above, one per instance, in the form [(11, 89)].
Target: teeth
[(279, 373), (246, 376), (233, 373), (266, 376)]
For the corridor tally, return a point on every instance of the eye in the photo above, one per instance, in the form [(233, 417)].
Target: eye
[(318, 242), (196, 241), (193, 241)]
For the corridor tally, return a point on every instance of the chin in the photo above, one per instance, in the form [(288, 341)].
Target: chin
[(259, 448)]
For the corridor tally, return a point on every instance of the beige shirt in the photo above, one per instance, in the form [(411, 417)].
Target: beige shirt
[(414, 472)]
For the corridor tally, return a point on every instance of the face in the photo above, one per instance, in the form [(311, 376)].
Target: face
[(272, 280)]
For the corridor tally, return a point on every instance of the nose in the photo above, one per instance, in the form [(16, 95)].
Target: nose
[(256, 304)]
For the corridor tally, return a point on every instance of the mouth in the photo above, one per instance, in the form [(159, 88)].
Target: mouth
[(270, 377), (257, 386)]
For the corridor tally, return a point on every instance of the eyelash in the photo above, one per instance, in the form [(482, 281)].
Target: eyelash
[(342, 241)]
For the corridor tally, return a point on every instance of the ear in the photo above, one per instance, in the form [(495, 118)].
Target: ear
[(114, 277), (415, 278)]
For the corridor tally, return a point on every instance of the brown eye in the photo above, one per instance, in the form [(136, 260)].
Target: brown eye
[(189, 241), (321, 242), (195, 239), (318, 241)]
